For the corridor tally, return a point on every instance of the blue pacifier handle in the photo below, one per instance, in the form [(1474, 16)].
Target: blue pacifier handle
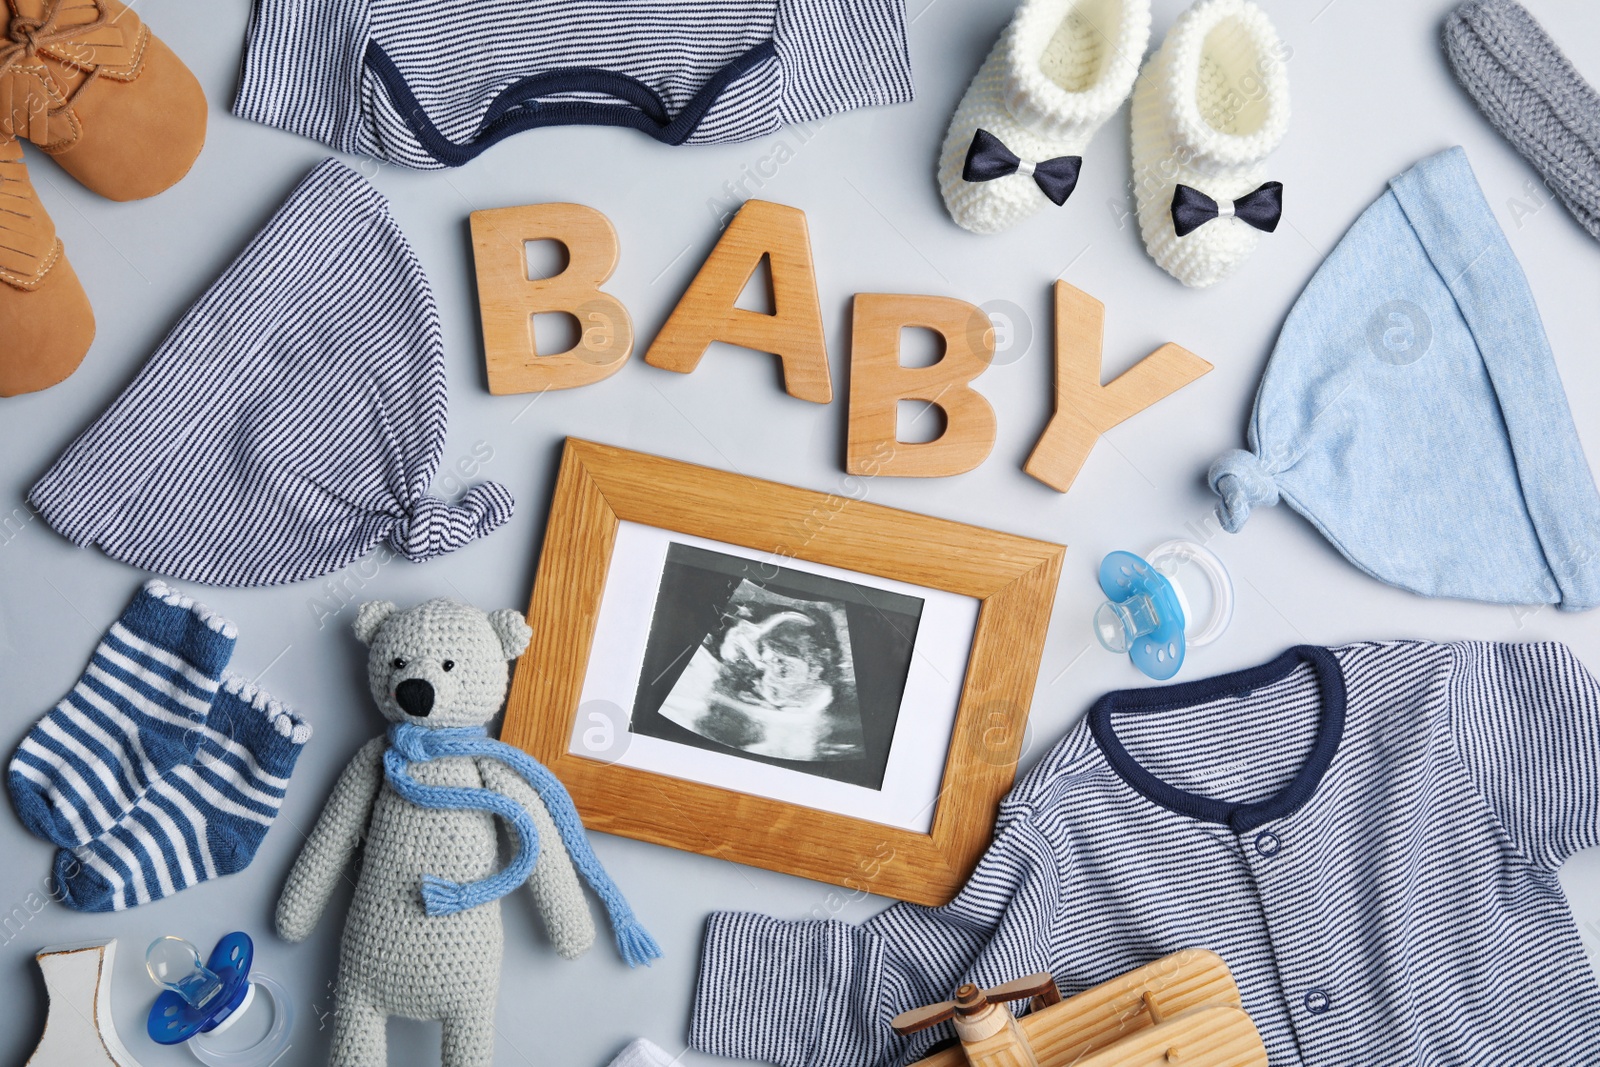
[(173, 1020), (1153, 616)]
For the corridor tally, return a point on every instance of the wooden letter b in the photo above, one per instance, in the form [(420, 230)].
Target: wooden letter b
[(878, 383), (508, 299)]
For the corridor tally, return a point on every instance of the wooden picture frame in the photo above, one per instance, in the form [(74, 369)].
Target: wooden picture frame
[(1013, 578)]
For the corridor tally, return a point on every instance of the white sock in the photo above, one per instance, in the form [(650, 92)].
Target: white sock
[(1057, 73), (642, 1054), (1208, 109)]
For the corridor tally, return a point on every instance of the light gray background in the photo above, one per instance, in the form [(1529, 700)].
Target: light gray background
[(1371, 96)]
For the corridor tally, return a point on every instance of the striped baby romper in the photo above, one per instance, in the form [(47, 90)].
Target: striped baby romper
[(433, 85), (1369, 835)]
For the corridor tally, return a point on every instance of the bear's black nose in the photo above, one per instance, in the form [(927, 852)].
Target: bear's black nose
[(414, 696)]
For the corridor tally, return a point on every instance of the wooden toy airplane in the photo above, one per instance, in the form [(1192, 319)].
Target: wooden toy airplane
[(1184, 1008)]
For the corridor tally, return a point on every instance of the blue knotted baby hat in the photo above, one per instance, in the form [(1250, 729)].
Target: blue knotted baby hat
[(1412, 410), (291, 422)]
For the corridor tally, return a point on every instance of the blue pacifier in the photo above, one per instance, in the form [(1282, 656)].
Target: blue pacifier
[(205, 999), (1146, 613)]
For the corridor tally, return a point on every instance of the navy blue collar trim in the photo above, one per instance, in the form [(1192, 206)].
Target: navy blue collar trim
[(1241, 817), (519, 108)]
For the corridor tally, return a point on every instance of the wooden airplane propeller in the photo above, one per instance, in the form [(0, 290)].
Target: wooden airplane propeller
[(970, 1000)]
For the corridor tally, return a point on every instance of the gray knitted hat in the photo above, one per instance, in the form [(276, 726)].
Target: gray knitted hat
[(291, 422), (1533, 96)]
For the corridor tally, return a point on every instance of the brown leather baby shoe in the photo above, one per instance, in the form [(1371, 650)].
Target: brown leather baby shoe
[(86, 81), (46, 323)]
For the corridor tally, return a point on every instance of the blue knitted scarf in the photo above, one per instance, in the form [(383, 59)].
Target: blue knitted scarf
[(410, 744)]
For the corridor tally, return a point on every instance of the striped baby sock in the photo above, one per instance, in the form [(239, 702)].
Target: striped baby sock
[(202, 819), (133, 716)]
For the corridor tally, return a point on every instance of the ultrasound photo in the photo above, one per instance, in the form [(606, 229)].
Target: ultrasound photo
[(776, 665)]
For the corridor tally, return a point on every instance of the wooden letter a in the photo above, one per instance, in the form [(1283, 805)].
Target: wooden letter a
[(1085, 409), (707, 313)]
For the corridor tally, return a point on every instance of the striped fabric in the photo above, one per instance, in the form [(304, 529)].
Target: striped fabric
[(203, 819), (431, 86), (1381, 879), (132, 717), (291, 422), (159, 770)]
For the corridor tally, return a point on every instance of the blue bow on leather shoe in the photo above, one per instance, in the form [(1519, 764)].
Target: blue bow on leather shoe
[(989, 158), (1192, 209)]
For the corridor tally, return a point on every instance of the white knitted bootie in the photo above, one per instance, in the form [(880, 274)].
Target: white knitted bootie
[(1208, 109), (1060, 69)]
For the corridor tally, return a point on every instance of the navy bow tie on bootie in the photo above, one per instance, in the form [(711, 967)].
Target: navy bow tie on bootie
[(1192, 209), (989, 158)]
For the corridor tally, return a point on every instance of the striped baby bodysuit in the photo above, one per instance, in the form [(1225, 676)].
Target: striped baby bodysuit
[(1368, 835), (433, 85)]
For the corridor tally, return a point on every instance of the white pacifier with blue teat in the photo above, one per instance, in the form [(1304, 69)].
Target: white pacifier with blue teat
[(1148, 612)]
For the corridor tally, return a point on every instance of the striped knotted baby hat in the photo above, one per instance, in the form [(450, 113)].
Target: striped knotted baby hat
[(292, 421)]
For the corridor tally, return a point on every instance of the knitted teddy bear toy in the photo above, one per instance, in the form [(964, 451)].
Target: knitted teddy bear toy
[(423, 938)]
